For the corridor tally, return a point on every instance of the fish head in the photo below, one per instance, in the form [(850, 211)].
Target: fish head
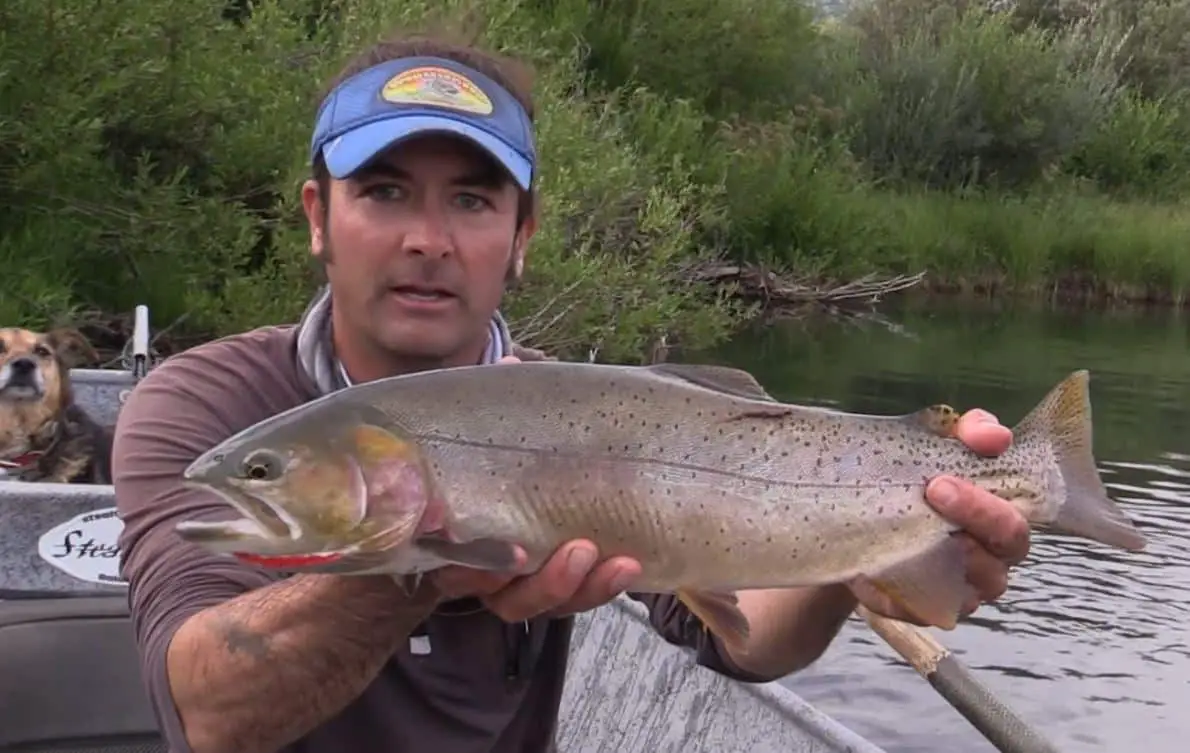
[(320, 486)]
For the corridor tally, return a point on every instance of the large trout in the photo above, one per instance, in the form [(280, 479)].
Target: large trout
[(693, 470)]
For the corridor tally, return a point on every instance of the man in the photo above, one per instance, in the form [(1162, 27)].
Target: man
[(421, 209)]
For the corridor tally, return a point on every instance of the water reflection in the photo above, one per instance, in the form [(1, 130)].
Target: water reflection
[(1090, 643)]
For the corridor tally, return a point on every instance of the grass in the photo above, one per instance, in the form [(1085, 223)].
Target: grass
[(1065, 246)]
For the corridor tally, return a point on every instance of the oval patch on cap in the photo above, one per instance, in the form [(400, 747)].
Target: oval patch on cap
[(437, 87)]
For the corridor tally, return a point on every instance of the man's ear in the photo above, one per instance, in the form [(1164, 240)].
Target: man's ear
[(520, 246), (315, 211)]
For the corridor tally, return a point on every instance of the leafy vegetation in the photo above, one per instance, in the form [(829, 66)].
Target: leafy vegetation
[(153, 151)]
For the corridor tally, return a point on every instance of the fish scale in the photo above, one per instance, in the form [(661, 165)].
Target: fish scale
[(693, 470)]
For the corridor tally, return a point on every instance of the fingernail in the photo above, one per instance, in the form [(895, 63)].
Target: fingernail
[(944, 493), (580, 560), (622, 581)]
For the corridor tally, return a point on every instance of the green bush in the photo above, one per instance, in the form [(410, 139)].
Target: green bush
[(1148, 37), (154, 153), (951, 98), (729, 57), (1142, 149)]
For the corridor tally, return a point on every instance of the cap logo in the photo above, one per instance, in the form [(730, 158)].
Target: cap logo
[(438, 87)]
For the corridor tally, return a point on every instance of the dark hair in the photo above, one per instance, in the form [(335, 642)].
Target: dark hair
[(514, 75)]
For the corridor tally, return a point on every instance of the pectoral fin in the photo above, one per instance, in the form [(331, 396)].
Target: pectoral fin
[(932, 586), (481, 554), (720, 613)]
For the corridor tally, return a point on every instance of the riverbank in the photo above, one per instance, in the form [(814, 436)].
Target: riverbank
[(913, 143)]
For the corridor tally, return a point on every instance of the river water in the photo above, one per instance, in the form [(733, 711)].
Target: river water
[(1092, 646)]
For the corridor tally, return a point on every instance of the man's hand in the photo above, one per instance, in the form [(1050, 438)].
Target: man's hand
[(995, 534), (567, 583)]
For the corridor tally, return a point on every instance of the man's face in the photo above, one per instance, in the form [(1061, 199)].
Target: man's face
[(417, 247)]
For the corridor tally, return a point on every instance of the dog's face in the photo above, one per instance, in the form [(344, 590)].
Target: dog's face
[(34, 368)]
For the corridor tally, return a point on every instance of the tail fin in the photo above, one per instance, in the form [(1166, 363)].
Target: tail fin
[(1063, 420)]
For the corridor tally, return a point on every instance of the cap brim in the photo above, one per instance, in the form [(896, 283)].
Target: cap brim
[(356, 148)]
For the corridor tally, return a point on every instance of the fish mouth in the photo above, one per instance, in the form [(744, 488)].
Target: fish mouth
[(271, 521), (362, 556)]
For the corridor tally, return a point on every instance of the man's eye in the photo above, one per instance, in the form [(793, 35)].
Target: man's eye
[(383, 191), (471, 201)]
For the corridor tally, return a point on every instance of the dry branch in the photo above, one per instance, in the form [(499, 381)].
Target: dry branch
[(756, 281)]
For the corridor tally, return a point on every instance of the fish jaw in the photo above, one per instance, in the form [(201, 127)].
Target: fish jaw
[(227, 536), (380, 553), (255, 511)]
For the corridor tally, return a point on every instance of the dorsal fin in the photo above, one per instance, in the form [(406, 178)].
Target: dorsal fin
[(719, 378)]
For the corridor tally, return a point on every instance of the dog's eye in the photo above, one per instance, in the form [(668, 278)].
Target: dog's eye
[(41, 351), (262, 465)]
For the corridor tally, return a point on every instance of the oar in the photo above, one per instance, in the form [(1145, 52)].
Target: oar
[(954, 682)]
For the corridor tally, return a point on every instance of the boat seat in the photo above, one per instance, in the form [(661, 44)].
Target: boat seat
[(70, 679)]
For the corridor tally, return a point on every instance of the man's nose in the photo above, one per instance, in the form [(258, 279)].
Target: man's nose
[(428, 234)]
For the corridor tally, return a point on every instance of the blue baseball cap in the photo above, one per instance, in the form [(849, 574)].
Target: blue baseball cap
[(388, 103)]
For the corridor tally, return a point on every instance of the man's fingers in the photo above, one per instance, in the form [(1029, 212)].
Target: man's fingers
[(991, 521), (986, 573), (456, 582), (554, 584), (605, 582), (980, 431)]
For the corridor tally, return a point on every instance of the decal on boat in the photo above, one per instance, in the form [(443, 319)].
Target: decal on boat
[(86, 547)]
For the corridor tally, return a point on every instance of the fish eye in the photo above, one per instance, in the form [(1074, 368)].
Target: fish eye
[(262, 465)]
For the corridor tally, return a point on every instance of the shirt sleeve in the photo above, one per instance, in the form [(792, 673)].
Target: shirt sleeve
[(674, 622), (177, 412)]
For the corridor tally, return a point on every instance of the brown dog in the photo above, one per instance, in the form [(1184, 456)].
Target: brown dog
[(44, 436)]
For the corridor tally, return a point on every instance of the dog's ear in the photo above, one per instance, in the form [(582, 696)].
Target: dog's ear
[(72, 348)]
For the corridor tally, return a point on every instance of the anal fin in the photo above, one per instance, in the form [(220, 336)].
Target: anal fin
[(933, 586), (720, 613)]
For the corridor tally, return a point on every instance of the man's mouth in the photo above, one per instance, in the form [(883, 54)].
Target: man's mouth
[(422, 293)]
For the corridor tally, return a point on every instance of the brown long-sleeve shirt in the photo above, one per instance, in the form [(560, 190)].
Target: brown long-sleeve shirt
[(484, 687)]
